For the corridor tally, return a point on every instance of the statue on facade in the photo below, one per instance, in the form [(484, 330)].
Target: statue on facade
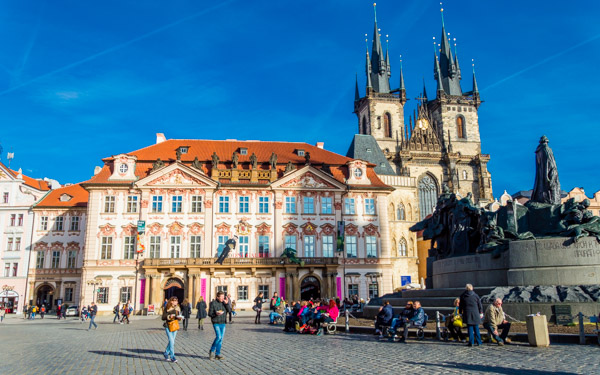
[(215, 161), (290, 254), (178, 154), (273, 160), (228, 247), (197, 163), (234, 159), (307, 157), (254, 161), (289, 167), (157, 164), (546, 188)]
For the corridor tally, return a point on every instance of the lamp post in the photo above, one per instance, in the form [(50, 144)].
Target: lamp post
[(94, 283)]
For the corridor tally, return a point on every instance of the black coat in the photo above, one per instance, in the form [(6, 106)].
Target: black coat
[(201, 307), (470, 308), (186, 310)]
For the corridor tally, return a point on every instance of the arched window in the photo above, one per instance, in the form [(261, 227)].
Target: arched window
[(402, 251), (400, 212), (460, 127), (465, 175), (387, 125), (427, 195)]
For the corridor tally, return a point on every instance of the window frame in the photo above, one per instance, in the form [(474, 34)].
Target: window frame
[(288, 243), (326, 205), (351, 245), (154, 248), (243, 296), (40, 258), (109, 204), (223, 204), (176, 204), (309, 248), (371, 248), (125, 291), (244, 204), (55, 260), (290, 205), (308, 205), (106, 245), (196, 246), (132, 204), (370, 206), (74, 225), (243, 245), (104, 292), (263, 205), (175, 247), (59, 224), (328, 247), (157, 203), (72, 259), (197, 203), (128, 247), (43, 222), (349, 206), (261, 252)]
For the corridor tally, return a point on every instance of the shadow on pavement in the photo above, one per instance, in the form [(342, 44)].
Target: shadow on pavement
[(123, 354), (489, 369), (159, 352)]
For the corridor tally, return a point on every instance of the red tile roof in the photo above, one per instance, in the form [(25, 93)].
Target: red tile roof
[(203, 150), (31, 182), (79, 197)]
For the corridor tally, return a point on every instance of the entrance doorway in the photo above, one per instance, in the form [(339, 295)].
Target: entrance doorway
[(310, 288), (174, 288), (45, 295), (10, 300)]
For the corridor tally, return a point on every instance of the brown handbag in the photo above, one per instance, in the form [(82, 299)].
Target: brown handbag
[(173, 325)]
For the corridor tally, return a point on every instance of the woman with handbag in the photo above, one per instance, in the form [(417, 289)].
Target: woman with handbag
[(171, 315), (201, 314), (258, 301), (454, 323)]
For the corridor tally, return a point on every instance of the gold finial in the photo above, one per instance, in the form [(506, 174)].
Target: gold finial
[(374, 4)]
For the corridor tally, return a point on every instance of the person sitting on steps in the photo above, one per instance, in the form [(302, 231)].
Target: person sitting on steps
[(417, 320)]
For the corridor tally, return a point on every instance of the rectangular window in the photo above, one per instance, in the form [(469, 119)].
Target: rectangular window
[(75, 223), (10, 244), (154, 247), (6, 269), (39, 260), (55, 259), (244, 205), (352, 290), (221, 243), (106, 248), (157, 202), (264, 289), (369, 206), (243, 246), (263, 246), (290, 241), (44, 223), (308, 204), (223, 205), (309, 246), (102, 295), (20, 220), (5, 198), (328, 246), (326, 205), (349, 206), (263, 205), (109, 204), (222, 288), (58, 223), (125, 294), (17, 244), (351, 251), (371, 242), (175, 246), (132, 204), (195, 246), (72, 259), (128, 247), (13, 220), (290, 205), (69, 294), (196, 203), (15, 269), (373, 290), (176, 204), (242, 293)]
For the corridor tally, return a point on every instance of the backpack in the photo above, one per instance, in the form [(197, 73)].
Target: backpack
[(43, 309)]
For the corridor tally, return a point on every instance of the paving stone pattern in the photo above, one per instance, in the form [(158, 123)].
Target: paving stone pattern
[(63, 347)]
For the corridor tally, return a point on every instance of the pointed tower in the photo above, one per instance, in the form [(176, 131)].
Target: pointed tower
[(381, 111)]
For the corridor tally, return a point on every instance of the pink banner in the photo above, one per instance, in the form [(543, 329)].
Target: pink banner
[(203, 288), (339, 287), (142, 291), (282, 287)]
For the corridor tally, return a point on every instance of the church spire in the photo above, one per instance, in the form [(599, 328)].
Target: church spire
[(476, 98), (402, 88), (448, 66), (379, 64), (356, 93), (424, 90)]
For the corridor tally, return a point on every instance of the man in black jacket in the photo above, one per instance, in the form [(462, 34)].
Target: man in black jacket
[(217, 311), (93, 311)]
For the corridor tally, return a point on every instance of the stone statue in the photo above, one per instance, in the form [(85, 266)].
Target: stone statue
[(234, 159), (307, 157), (325, 168), (215, 161), (158, 164), (290, 254), (253, 161), (178, 154), (273, 160), (289, 167), (579, 221), (546, 188), (197, 163)]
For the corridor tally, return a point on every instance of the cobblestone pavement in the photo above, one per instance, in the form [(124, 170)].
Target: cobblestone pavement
[(51, 346)]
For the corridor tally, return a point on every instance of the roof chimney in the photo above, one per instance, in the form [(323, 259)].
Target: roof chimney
[(320, 145), (160, 138)]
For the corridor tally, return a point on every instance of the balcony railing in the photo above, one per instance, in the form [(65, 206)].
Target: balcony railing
[(157, 262)]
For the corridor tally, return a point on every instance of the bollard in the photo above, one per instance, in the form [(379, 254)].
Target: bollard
[(438, 332), (581, 329), (347, 321)]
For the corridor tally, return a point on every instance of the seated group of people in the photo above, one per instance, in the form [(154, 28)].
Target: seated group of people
[(412, 316), (308, 316), (494, 320)]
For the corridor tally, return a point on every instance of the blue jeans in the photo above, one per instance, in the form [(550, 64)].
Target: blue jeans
[(272, 317), (170, 350), (32, 315), (92, 322), (475, 328), (219, 332)]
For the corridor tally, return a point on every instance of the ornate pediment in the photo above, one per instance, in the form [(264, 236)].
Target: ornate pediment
[(308, 180), (177, 177)]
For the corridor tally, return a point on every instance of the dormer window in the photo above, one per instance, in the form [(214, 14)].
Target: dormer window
[(183, 149), (65, 198), (243, 151), (123, 168), (300, 152), (368, 150)]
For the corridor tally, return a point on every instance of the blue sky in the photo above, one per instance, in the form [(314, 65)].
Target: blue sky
[(80, 81)]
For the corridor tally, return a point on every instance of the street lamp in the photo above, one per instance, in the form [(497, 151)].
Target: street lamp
[(94, 283)]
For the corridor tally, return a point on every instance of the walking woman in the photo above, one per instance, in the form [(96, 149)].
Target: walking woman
[(258, 301), (126, 312), (201, 314), (171, 315), (186, 311)]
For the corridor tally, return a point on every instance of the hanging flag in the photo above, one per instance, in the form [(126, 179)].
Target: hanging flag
[(140, 243), (340, 235)]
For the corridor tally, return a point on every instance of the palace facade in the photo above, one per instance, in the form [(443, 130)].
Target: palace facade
[(194, 195)]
